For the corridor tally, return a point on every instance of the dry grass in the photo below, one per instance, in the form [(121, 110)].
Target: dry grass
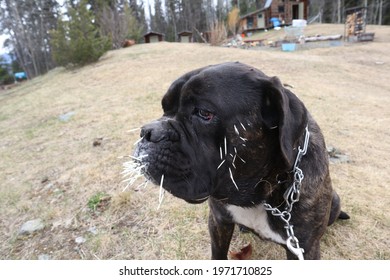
[(50, 169)]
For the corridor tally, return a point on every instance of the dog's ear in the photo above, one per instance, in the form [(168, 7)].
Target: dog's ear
[(282, 110), (171, 100)]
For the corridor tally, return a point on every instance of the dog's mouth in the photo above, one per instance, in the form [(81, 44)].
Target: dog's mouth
[(174, 169), (182, 188), (197, 201), (171, 171)]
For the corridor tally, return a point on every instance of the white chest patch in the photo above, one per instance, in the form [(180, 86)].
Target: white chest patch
[(255, 218)]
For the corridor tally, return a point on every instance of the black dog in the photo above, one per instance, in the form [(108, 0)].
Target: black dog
[(234, 136)]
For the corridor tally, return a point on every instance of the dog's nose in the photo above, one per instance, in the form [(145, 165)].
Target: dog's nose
[(160, 130), (153, 132)]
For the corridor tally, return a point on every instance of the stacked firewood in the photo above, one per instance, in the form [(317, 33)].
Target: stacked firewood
[(350, 24), (355, 24)]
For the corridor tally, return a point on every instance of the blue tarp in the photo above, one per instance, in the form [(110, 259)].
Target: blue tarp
[(20, 75), (275, 21)]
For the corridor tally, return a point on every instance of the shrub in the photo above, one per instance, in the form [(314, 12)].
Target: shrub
[(5, 77)]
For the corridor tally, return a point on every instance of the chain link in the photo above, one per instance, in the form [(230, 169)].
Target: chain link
[(291, 196)]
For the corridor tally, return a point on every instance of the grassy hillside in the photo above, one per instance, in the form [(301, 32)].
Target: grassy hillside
[(63, 138)]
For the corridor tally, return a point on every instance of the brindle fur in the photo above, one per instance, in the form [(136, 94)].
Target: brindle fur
[(256, 126)]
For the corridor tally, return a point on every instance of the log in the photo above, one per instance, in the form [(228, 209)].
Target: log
[(323, 38), (201, 35)]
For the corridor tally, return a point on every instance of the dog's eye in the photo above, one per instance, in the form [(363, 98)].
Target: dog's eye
[(205, 115)]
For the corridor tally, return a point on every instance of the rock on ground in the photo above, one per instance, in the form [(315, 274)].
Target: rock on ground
[(31, 227)]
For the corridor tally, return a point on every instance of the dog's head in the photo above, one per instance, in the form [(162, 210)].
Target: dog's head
[(225, 127)]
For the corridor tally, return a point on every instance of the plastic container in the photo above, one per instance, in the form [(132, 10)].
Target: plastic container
[(288, 47)]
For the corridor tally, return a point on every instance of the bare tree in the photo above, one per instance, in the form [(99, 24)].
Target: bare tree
[(118, 23), (27, 23), (218, 33)]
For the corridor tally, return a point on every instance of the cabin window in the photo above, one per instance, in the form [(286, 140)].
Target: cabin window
[(249, 22)]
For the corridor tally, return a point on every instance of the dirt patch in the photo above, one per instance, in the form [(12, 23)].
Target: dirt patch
[(50, 169)]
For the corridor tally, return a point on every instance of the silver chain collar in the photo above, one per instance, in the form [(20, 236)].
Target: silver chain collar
[(291, 196)]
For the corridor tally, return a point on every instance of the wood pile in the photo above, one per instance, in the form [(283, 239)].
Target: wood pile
[(350, 24), (355, 23)]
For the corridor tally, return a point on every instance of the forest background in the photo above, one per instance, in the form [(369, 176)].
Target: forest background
[(41, 35)]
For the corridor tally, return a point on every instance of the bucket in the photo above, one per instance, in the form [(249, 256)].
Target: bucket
[(288, 47)]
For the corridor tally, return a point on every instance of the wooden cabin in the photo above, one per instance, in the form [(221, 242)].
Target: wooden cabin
[(274, 12), (185, 37), (153, 37)]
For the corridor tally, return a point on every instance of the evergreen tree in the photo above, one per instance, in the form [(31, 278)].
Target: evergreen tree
[(59, 44), (172, 8), (77, 41), (5, 77), (157, 21)]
